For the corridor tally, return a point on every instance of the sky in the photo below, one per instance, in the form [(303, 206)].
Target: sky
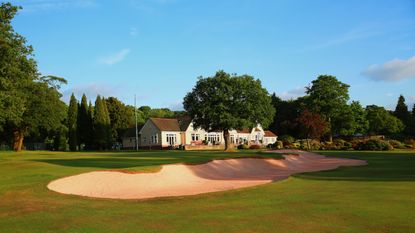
[(156, 49)]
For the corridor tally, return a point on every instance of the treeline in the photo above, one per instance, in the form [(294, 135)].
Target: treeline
[(326, 112), (100, 126)]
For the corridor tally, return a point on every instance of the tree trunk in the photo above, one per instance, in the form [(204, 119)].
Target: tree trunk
[(308, 143), (226, 136), (18, 140)]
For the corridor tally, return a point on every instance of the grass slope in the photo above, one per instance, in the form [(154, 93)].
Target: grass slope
[(375, 198)]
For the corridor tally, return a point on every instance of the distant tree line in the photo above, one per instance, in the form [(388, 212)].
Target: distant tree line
[(326, 110)]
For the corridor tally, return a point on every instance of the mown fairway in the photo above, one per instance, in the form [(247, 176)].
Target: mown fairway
[(379, 197)]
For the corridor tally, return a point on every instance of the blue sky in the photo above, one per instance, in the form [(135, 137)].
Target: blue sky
[(156, 49)]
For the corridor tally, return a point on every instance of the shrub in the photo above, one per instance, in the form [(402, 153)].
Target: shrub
[(373, 144), (279, 144), (397, 144), (255, 147), (410, 144), (287, 139), (243, 147)]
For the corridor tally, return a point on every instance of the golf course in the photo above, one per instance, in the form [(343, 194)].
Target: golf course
[(378, 197)]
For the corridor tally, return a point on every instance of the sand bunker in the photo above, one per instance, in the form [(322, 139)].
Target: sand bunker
[(181, 180)]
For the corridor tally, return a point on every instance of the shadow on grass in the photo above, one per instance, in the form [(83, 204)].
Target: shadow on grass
[(121, 160), (382, 166)]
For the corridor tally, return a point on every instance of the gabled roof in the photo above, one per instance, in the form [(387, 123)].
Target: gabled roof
[(269, 134), (166, 124)]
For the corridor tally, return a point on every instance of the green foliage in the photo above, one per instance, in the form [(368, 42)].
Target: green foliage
[(360, 123), (224, 102), (72, 123), (243, 147), (29, 102), (373, 144), (397, 144), (401, 110), (102, 125), (287, 112), (382, 122), (328, 97), (287, 138), (85, 127), (121, 117)]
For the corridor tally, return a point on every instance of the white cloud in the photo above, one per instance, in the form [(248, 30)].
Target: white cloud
[(45, 5), (115, 58), (90, 90), (292, 94), (392, 71)]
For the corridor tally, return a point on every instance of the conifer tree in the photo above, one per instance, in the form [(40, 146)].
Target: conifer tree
[(101, 124), (108, 133), (402, 113), (84, 127), (72, 123), (401, 110)]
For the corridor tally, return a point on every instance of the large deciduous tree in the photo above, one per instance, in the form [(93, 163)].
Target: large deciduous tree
[(382, 122), (328, 97), (224, 102), (28, 101), (120, 117)]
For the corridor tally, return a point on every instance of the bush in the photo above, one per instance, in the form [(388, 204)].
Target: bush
[(279, 144), (373, 144), (397, 144), (255, 147), (410, 144), (243, 147), (287, 139)]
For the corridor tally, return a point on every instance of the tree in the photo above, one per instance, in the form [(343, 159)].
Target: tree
[(287, 111), (84, 124), (121, 117), (382, 122), (402, 113), (328, 97), (313, 125), (72, 123), (101, 125), (401, 110), (360, 122), (29, 101), (224, 102)]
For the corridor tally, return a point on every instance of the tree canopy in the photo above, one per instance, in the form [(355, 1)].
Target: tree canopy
[(328, 97), (224, 102)]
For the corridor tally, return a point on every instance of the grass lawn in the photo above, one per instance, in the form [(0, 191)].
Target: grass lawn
[(379, 197)]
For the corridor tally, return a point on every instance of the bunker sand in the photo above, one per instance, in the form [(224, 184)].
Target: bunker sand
[(182, 180)]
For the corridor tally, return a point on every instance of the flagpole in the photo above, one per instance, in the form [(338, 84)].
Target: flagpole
[(136, 128)]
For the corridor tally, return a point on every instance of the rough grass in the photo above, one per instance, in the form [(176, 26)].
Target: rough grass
[(379, 197)]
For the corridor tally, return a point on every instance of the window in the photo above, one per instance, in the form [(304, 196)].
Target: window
[(171, 139), (232, 138), (154, 139), (196, 137), (213, 137)]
